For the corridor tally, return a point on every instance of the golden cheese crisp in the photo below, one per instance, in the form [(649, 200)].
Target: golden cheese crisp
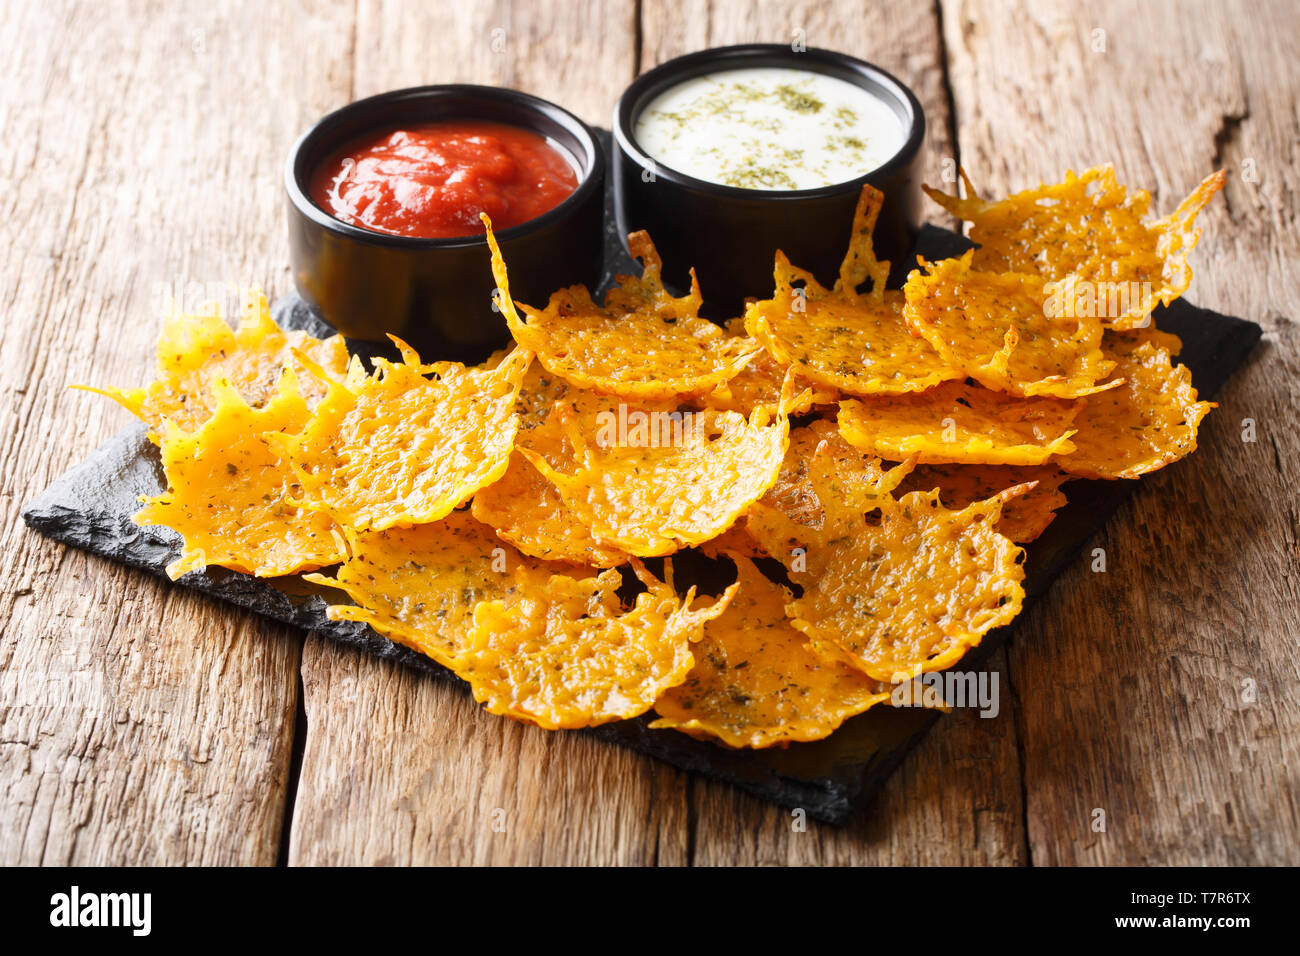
[(562, 653), (641, 344), (842, 339), (196, 349), (1024, 517), (756, 684), (1091, 227), (419, 585), (1148, 422), (996, 328), (735, 540), (400, 447), (527, 510), (899, 587), (960, 423), (677, 483), (231, 491), (758, 385), (778, 520)]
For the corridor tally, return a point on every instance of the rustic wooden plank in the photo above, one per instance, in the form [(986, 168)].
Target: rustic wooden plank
[(1130, 683), (138, 724), (399, 768), (957, 798)]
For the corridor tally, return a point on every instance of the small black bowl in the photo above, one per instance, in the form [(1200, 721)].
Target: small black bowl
[(731, 235), (437, 293)]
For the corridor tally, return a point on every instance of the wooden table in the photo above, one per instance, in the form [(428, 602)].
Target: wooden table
[(142, 724)]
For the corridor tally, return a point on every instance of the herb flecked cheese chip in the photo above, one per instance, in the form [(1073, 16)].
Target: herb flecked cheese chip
[(755, 683), (899, 587), (960, 423), (1148, 422), (561, 652), (195, 349), (231, 491), (411, 442), (684, 482), (777, 520), (641, 344), (1024, 517), (842, 339), (527, 510), (735, 540), (998, 329), (419, 585), (758, 385), (1092, 227)]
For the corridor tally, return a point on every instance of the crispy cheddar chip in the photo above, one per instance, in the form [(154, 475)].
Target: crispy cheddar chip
[(777, 520), (842, 339), (678, 482), (399, 448), (1092, 227), (419, 585), (196, 349), (755, 683), (1148, 422), (527, 510), (899, 587), (960, 423), (759, 385), (561, 652), (642, 344), (1024, 517), (230, 490), (996, 328)]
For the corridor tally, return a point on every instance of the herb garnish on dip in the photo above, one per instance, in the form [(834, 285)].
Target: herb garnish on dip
[(769, 128)]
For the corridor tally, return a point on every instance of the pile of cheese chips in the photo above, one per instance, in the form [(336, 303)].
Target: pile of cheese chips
[(864, 462)]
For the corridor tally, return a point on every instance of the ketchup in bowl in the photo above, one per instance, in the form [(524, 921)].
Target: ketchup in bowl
[(432, 181)]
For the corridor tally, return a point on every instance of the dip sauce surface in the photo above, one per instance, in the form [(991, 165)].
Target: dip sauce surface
[(432, 181), (769, 128)]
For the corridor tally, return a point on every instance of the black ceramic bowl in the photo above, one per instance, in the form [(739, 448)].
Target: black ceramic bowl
[(437, 293), (730, 235)]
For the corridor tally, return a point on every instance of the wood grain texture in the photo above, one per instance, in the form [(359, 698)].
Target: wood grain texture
[(138, 723), (957, 798), (399, 768), (1130, 683)]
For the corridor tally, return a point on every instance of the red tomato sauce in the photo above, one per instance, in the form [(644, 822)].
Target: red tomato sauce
[(432, 181)]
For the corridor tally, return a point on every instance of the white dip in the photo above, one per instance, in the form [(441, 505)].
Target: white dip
[(769, 128)]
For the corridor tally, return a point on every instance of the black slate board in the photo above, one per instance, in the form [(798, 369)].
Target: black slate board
[(90, 507)]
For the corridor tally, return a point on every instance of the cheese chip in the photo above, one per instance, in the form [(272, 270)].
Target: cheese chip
[(230, 490), (1023, 518), (1149, 422), (419, 585), (562, 653), (1091, 227), (899, 587), (842, 339), (960, 423), (998, 328), (642, 344), (676, 483), (756, 684), (196, 349), (399, 447)]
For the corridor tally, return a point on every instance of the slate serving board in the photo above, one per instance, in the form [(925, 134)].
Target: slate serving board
[(90, 507)]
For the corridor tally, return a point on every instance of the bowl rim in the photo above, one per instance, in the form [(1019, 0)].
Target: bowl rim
[(591, 166), (666, 74)]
